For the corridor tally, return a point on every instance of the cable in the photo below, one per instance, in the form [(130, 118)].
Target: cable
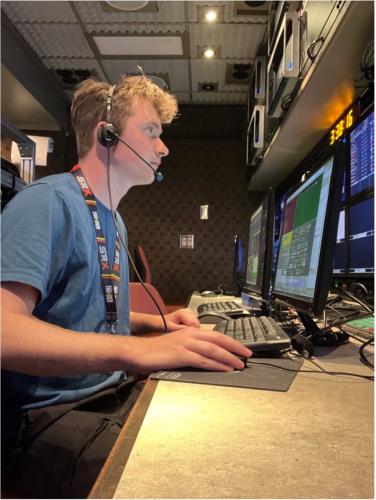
[(353, 297), (363, 357), (312, 46), (126, 247), (368, 377), (321, 371)]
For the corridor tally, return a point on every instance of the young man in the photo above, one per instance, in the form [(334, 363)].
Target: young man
[(69, 341)]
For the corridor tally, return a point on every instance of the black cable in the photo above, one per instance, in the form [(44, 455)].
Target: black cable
[(363, 357), (126, 247), (323, 371), (368, 377), (312, 46), (353, 297)]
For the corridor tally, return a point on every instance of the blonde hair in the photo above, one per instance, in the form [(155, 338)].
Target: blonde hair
[(89, 106)]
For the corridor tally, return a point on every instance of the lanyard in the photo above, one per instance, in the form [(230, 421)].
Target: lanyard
[(110, 278)]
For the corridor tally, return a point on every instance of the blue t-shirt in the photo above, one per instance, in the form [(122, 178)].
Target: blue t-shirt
[(48, 242)]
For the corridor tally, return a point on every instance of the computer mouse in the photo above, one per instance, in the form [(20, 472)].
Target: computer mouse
[(212, 317), (208, 293)]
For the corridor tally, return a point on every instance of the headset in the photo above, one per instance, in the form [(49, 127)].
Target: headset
[(108, 136)]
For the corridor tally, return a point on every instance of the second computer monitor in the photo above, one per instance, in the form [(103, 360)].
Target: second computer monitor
[(260, 248), (305, 255)]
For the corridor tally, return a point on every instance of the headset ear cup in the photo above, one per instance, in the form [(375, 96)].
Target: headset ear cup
[(302, 345), (107, 135)]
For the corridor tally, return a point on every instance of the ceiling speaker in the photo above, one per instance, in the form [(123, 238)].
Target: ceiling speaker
[(238, 74), (128, 6)]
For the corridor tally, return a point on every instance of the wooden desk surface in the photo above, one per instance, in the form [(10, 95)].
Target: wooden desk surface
[(200, 441)]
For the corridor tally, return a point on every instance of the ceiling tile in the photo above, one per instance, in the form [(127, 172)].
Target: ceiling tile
[(56, 40), (177, 70), (228, 12), (121, 28), (74, 63), (240, 41), (39, 11), (214, 71), (219, 97)]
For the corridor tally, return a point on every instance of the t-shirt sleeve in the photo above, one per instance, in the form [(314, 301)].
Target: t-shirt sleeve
[(37, 237)]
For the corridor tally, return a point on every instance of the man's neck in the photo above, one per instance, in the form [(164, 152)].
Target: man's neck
[(96, 173)]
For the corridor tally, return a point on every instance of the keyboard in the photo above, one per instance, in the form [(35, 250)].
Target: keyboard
[(360, 328), (258, 333), (229, 307)]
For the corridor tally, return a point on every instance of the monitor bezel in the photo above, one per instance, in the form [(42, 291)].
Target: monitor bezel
[(325, 264), (264, 289)]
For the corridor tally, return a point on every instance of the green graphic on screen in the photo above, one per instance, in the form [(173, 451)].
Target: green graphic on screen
[(302, 234)]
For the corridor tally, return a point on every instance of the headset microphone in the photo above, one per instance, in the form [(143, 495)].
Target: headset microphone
[(158, 175)]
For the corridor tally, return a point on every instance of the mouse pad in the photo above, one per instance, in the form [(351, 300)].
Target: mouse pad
[(270, 374)]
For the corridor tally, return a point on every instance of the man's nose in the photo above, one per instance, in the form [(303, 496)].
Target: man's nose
[(162, 148)]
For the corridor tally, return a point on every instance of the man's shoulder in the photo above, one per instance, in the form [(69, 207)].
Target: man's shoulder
[(53, 182), (45, 194), (57, 186)]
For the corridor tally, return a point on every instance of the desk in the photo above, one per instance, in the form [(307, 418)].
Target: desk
[(187, 440)]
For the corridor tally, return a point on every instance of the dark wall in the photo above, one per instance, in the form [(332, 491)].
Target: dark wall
[(197, 172)]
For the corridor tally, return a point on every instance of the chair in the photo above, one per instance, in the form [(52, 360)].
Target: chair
[(142, 264), (141, 302), (144, 270)]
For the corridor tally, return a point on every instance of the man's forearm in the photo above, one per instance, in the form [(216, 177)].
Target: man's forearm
[(145, 323), (35, 347)]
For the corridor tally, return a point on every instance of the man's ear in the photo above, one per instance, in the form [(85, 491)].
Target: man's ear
[(106, 134)]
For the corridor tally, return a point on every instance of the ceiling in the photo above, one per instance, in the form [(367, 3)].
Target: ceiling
[(74, 40)]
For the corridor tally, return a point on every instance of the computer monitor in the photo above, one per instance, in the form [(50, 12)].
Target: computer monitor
[(361, 238), (362, 156), (260, 248), (239, 265), (305, 255)]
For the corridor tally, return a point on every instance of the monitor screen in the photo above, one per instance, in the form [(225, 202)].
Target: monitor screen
[(260, 248), (305, 256), (339, 263), (361, 237), (362, 156)]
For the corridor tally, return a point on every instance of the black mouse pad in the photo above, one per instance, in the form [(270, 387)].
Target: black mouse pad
[(271, 374)]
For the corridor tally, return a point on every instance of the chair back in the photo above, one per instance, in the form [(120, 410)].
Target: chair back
[(141, 302), (142, 264)]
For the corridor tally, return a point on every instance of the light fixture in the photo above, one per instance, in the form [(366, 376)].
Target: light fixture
[(128, 6), (209, 53), (211, 16)]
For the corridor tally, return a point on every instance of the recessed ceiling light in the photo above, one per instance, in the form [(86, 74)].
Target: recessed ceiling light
[(211, 16), (208, 87), (209, 53)]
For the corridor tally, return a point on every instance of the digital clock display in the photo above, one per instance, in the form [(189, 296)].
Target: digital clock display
[(341, 126)]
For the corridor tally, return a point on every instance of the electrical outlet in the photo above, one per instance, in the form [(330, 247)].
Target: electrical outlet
[(187, 241)]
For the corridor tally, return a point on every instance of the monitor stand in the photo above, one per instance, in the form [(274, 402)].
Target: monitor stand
[(321, 336)]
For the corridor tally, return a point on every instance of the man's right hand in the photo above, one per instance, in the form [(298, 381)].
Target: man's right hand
[(188, 347)]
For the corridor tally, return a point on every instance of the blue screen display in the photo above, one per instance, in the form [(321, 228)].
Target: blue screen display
[(361, 237), (362, 156)]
